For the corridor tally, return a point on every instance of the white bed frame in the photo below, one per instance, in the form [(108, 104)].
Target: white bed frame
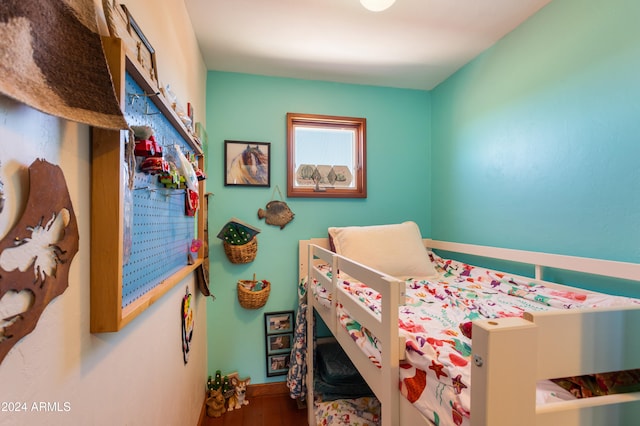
[(592, 341)]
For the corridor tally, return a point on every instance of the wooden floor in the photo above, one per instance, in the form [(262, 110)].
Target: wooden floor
[(268, 406)]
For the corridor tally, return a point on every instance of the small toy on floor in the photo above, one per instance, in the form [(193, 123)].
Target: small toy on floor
[(216, 383), (215, 403), (238, 399)]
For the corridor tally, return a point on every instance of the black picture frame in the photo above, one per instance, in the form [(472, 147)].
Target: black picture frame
[(247, 163), (279, 337), (278, 322), (136, 28), (279, 343), (278, 365)]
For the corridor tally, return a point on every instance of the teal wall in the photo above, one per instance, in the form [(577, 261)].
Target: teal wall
[(536, 143), (253, 108)]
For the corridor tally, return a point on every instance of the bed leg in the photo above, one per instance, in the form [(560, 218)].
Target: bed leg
[(311, 416)]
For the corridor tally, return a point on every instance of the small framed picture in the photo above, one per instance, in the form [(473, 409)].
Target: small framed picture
[(278, 322), (247, 163), (279, 343), (278, 365), (147, 55)]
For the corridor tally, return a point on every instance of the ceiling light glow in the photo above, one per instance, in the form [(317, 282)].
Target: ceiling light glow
[(377, 5)]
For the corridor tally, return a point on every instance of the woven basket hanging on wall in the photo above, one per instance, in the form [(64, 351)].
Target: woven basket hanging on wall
[(240, 241), (244, 253), (250, 298)]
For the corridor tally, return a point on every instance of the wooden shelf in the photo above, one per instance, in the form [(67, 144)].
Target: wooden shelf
[(107, 205), (161, 102)]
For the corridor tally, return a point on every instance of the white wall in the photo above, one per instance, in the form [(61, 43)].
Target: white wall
[(136, 376), (168, 28)]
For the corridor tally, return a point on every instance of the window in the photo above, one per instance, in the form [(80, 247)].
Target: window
[(326, 156)]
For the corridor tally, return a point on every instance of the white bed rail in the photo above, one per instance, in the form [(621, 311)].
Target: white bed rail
[(608, 268), (384, 328), (583, 341), (595, 341), (511, 354)]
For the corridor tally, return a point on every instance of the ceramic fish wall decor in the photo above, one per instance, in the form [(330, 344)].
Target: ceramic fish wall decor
[(277, 213)]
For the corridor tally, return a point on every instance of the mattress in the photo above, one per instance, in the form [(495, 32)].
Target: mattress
[(435, 321), (336, 377)]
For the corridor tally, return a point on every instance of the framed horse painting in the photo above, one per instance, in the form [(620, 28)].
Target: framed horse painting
[(247, 163)]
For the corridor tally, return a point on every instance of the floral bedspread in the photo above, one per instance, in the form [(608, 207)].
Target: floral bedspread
[(363, 411), (435, 321)]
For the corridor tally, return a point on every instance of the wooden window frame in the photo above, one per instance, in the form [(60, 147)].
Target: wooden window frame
[(359, 125)]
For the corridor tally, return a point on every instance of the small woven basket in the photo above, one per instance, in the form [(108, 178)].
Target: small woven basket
[(244, 253), (250, 299)]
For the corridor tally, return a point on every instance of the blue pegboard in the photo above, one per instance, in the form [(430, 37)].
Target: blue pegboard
[(161, 232)]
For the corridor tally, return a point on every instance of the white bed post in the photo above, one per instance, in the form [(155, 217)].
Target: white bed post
[(504, 372), (333, 309), (390, 354), (305, 253)]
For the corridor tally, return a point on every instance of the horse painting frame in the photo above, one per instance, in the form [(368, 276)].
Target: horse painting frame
[(247, 163)]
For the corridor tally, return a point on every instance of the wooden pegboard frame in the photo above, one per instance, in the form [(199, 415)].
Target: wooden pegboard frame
[(118, 291)]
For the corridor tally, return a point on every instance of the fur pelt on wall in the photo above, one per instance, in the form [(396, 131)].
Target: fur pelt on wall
[(51, 58)]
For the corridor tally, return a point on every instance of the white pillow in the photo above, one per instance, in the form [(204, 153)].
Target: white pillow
[(396, 250)]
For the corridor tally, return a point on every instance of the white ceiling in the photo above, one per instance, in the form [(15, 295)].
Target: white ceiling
[(414, 44)]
